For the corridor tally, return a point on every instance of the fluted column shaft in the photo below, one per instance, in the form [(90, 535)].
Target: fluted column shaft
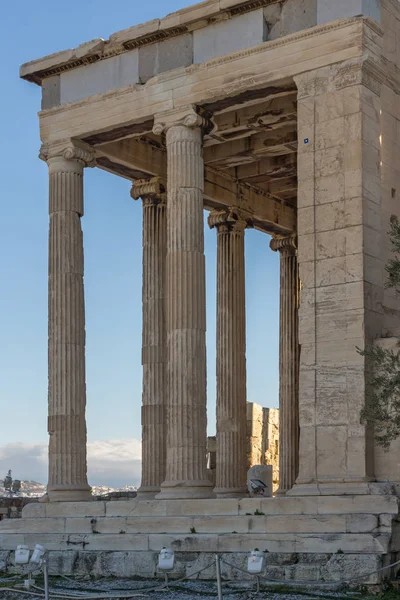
[(231, 476), (67, 383), (288, 364), (153, 337), (186, 474)]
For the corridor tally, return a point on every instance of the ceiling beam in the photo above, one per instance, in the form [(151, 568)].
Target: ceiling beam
[(275, 167), (250, 149), (146, 160), (266, 116)]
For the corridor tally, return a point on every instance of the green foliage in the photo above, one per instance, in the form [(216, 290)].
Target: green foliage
[(193, 530), (382, 406), (393, 266), (258, 513)]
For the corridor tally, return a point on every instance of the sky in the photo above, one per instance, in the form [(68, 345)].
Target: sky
[(112, 237)]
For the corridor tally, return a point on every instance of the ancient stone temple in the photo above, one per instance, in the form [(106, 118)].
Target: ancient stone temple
[(282, 116)]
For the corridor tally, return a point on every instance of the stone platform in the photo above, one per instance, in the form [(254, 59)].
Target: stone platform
[(305, 538)]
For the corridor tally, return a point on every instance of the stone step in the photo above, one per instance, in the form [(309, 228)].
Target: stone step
[(353, 523), (310, 505), (320, 543)]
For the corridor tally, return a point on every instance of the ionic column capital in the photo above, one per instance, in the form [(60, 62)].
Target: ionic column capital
[(286, 245), (68, 150), (230, 219), (189, 116), (151, 191)]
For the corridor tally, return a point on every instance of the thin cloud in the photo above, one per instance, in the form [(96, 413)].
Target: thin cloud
[(113, 463)]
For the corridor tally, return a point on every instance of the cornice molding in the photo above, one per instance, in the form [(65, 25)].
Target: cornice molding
[(284, 245), (287, 40), (159, 30), (189, 116), (368, 71), (135, 37), (152, 190), (69, 150)]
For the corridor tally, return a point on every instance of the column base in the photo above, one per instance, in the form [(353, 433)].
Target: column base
[(147, 493), (281, 492), (186, 490), (231, 492), (70, 494)]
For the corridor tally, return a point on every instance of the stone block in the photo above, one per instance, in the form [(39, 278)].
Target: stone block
[(159, 524), (184, 543), (225, 37), (344, 9), (330, 245), (141, 563), (347, 542), (329, 106), (81, 525), (165, 56), (34, 510), (298, 524), (54, 541), (361, 523), (307, 274), (275, 573), (5, 557), (9, 541), (289, 506), (302, 573), (341, 567), (221, 524), (360, 504), (143, 508), (202, 507), (63, 563), (117, 542), (51, 95), (285, 542), (32, 525), (330, 216), (331, 451), (329, 162), (330, 189), (100, 77), (292, 16), (329, 134), (331, 271), (305, 220), (75, 509), (249, 505)]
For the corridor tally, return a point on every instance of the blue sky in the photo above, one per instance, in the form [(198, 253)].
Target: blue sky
[(112, 230)]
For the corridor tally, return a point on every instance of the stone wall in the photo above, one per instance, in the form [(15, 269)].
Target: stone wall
[(11, 507), (262, 441), (280, 567)]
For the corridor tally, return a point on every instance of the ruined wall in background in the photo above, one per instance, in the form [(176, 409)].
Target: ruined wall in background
[(11, 507), (262, 441), (263, 438)]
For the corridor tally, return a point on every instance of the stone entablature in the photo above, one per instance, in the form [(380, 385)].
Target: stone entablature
[(223, 19)]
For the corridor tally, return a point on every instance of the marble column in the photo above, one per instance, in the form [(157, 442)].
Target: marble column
[(186, 469), (231, 476), (67, 382), (154, 335), (288, 364)]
